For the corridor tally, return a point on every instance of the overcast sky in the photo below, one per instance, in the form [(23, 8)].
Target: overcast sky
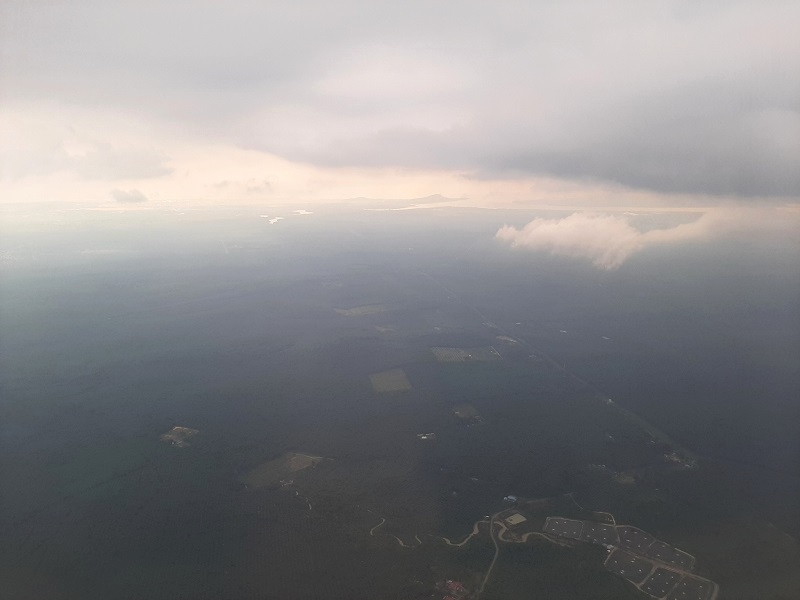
[(661, 101)]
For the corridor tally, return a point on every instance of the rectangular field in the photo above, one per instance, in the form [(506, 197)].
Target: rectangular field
[(271, 472), (358, 311), (466, 412), (394, 380), (482, 354)]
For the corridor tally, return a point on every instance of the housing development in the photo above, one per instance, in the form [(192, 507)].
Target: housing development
[(651, 565)]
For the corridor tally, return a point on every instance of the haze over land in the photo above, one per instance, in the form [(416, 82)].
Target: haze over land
[(411, 300), (207, 405)]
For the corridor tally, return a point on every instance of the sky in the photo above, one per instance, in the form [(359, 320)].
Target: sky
[(658, 103)]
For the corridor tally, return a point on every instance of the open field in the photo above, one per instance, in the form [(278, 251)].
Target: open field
[(273, 471), (394, 380), (486, 353), (466, 412), (360, 311), (179, 436)]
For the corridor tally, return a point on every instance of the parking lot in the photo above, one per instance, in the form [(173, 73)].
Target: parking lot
[(661, 582), (631, 567), (634, 539), (568, 528), (672, 556), (597, 533), (692, 588), (655, 567)]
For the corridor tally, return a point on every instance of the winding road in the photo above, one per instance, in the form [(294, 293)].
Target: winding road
[(466, 539)]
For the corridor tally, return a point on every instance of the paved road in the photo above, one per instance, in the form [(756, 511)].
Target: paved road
[(496, 554)]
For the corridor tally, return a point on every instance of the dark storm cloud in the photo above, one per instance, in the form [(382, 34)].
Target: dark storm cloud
[(672, 96), (710, 137)]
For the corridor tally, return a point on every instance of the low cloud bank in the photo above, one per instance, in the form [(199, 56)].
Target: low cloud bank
[(609, 240), (130, 197)]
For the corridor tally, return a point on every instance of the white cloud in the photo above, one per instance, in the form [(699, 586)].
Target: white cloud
[(104, 161), (609, 240), (41, 141)]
